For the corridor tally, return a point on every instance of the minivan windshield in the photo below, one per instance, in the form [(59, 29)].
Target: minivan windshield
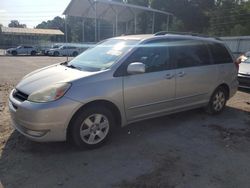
[(103, 55)]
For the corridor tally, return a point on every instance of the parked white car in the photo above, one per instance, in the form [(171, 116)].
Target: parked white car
[(244, 74), (45, 51), (64, 50), (22, 50), (247, 54)]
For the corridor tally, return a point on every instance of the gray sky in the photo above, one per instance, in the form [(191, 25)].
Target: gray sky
[(31, 12)]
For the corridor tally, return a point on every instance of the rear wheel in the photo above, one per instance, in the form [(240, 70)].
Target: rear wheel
[(14, 53), (75, 54), (91, 127), (56, 53), (218, 101), (33, 53)]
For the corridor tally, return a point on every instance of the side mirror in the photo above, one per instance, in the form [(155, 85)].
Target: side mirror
[(136, 68)]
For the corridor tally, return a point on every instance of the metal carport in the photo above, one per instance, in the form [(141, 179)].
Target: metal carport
[(111, 11)]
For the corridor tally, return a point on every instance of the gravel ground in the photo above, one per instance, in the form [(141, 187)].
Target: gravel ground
[(189, 149)]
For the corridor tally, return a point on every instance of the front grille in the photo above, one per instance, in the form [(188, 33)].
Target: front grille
[(244, 81), (20, 95)]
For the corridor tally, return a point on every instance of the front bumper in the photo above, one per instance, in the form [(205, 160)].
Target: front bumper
[(43, 122), (244, 81)]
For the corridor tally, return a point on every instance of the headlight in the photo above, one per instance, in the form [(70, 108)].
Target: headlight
[(50, 93)]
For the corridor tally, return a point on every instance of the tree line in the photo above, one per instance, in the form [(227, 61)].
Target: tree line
[(210, 17)]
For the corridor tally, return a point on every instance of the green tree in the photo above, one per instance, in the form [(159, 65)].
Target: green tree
[(15, 23), (56, 23), (190, 12), (230, 17)]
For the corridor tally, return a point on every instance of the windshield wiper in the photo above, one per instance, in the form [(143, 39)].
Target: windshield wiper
[(73, 67), (70, 66), (64, 63)]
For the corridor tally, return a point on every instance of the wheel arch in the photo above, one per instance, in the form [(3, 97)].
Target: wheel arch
[(107, 104), (14, 52), (227, 89), (75, 52), (33, 52)]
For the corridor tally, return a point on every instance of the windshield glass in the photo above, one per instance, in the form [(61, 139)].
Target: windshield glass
[(102, 56), (55, 46)]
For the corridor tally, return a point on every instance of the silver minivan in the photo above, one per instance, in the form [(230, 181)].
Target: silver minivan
[(119, 81)]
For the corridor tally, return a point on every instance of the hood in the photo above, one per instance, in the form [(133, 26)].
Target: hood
[(244, 68), (44, 77), (10, 49)]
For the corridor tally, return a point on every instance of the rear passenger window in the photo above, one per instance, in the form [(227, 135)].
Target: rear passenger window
[(220, 54), (189, 53)]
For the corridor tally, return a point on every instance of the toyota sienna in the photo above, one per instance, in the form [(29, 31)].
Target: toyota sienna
[(123, 80)]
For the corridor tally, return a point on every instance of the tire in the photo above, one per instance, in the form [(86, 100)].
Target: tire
[(14, 53), (75, 54), (56, 53), (33, 53), (217, 101), (91, 127)]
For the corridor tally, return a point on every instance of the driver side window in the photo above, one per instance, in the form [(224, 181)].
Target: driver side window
[(154, 55)]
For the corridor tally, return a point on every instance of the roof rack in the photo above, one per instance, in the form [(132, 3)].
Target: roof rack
[(185, 33)]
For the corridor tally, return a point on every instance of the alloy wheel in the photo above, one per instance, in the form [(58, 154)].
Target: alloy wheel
[(219, 101), (94, 129)]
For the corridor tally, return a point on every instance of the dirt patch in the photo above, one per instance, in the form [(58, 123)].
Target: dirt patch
[(5, 128), (233, 138), (163, 176), (230, 133)]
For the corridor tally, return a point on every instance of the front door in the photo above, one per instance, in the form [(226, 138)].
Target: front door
[(152, 93), (22, 50)]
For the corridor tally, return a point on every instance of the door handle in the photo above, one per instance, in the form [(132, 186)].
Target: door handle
[(169, 76), (181, 74)]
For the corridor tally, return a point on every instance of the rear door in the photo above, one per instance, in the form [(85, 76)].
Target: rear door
[(227, 72), (195, 74), (64, 50), (28, 49), (151, 93)]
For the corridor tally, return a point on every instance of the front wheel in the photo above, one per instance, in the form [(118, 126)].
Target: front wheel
[(217, 102), (14, 53), (91, 127)]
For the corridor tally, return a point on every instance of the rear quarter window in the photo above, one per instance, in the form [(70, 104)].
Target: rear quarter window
[(220, 54)]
